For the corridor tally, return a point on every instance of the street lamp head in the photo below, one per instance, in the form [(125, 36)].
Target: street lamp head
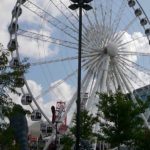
[(75, 1), (74, 6), (82, 1), (87, 1), (87, 7)]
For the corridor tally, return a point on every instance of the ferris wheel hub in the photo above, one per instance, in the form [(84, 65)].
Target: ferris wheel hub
[(111, 49)]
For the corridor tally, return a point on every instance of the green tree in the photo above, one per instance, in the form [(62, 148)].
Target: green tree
[(9, 81), (143, 142), (67, 141), (87, 122), (10, 76), (123, 124)]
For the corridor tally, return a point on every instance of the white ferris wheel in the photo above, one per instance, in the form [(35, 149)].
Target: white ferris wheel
[(115, 50)]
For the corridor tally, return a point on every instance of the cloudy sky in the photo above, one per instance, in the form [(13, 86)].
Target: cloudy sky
[(56, 44)]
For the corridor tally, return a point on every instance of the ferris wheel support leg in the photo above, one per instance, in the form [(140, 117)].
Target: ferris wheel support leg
[(102, 89), (105, 74), (90, 100), (133, 97), (120, 84), (83, 90)]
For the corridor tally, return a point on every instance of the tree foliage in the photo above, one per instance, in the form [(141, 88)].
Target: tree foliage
[(67, 142), (9, 77), (87, 122), (122, 123), (142, 143)]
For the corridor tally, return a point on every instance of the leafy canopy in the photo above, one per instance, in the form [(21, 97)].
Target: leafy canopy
[(122, 123)]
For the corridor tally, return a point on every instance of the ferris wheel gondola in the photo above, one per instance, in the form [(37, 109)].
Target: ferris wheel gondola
[(36, 115), (45, 128), (26, 99)]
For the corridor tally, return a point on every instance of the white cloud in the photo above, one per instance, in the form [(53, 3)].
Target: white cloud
[(135, 42), (5, 16), (64, 92), (27, 47)]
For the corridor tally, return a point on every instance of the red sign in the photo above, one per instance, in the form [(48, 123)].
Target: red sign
[(32, 138)]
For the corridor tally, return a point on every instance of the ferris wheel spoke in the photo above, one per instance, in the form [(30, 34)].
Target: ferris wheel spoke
[(95, 15), (109, 12), (104, 26), (90, 62), (90, 49), (129, 53), (125, 80), (60, 60), (128, 80), (134, 93), (46, 38), (96, 66), (74, 98), (118, 79), (50, 19), (133, 64), (98, 86), (76, 17), (103, 16), (119, 16), (117, 37), (67, 17), (133, 81), (95, 87), (56, 85), (127, 69), (105, 74), (53, 61), (113, 78), (88, 18), (93, 77), (130, 42), (93, 63)]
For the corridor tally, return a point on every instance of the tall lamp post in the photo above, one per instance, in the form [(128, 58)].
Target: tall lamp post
[(81, 4)]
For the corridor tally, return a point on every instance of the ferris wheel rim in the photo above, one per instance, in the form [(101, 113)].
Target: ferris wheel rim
[(27, 86)]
